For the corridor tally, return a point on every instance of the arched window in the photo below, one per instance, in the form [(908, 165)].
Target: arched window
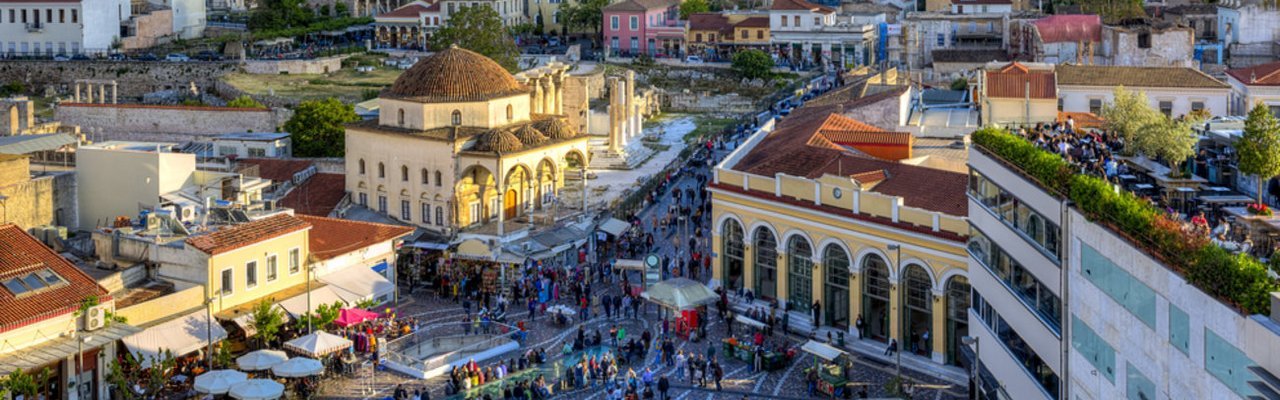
[(404, 173), (457, 118), (919, 312), (766, 264), (957, 316), (400, 117), (733, 247), (510, 113), (438, 178), (439, 215), (361, 166), (875, 297), (799, 272), (424, 176), (382, 170), (835, 262)]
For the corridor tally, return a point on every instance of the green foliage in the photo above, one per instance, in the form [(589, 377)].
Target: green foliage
[(478, 29), (21, 383), (275, 14), (1259, 146), (317, 127), (12, 88), (223, 358), (288, 31), (1127, 113), (322, 318), (582, 15), (1239, 279), (366, 304), (245, 102), (643, 60), (693, 7), (369, 94), (1111, 11), (125, 374), (340, 9), (752, 64), (192, 102), (1167, 138), (267, 320), (960, 84)]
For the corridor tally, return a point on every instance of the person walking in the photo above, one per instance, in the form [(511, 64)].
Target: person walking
[(663, 386), (862, 327), (719, 373)]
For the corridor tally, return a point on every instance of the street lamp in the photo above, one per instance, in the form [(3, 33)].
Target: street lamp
[(897, 261), (973, 378)]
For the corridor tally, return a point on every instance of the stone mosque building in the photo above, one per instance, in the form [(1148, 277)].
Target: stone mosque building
[(461, 145)]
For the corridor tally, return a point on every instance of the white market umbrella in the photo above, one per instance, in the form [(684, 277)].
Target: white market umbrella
[(298, 367), (318, 344), (257, 389), (680, 294), (261, 359), (219, 381)]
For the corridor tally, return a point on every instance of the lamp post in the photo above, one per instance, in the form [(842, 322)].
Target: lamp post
[(973, 377), (897, 261)]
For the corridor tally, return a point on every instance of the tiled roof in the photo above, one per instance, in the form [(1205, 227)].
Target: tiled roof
[(641, 5), (318, 195), (1258, 75), (234, 237), (1082, 119), (20, 254), (1011, 82), (1152, 77), (411, 10), (792, 149), (753, 22), (709, 22), (332, 237), (454, 75), (1069, 28), (275, 169), (799, 5)]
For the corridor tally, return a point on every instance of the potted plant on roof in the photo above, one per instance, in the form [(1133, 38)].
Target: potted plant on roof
[(1259, 151)]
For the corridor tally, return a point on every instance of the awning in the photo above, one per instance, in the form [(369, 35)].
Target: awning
[(62, 347), (680, 294), (180, 337), (748, 321), (822, 350), (25, 144), (297, 305), (428, 245), (361, 282), (245, 322), (636, 265), (614, 226), (380, 267)]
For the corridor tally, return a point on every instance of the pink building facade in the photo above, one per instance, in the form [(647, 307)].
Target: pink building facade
[(644, 26)]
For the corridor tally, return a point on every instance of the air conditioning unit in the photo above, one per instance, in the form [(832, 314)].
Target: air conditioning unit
[(95, 318)]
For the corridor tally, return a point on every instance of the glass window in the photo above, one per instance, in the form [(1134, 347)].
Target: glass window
[(1093, 348), (437, 178), (227, 283), (1033, 293), (382, 204), (1138, 387), (1228, 364), (1095, 106), (1197, 105), (1179, 329), (257, 152), (271, 268), (251, 274), (361, 166), (294, 261), (799, 272), (1166, 107), (439, 215), (1018, 348), (635, 23), (613, 22), (382, 170), (1118, 284), (425, 175), (404, 173), (404, 211), (1034, 227)]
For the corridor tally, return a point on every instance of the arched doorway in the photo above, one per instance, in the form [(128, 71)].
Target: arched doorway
[(875, 297), (799, 273), (511, 204), (766, 263), (732, 248), (917, 316), (957, 316), (835, 263)]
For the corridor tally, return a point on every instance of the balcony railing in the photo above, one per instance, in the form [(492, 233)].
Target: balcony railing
[(35, 27)]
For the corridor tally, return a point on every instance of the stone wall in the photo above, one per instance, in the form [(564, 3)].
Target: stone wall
[(46, 199), (150, 29), (275, 67), (167, 123), (1171, 47), (135, 77), (579, 90), (704, 103)]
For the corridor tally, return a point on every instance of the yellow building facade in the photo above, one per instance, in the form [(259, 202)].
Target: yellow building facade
[(853, 241)]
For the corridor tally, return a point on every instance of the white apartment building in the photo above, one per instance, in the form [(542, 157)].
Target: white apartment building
[(60, 26), (1065, 308), (1174, 91)]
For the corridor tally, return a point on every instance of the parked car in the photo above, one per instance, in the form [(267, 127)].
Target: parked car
[(146, 57), (553, 41), (693, 60), (208, 55), (80, 57), (115, 57), (61, 57), (177, 57)]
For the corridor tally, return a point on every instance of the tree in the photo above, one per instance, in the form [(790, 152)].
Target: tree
[(1168, 138), (1127, 113), (584, 15), (1259, 146), (22, 383), (245, 102), (317, 127), (277, 14), (267, 320), (960, 84), (478, 29), (129, 373), (690, 7), (323, 316), (752, 64)]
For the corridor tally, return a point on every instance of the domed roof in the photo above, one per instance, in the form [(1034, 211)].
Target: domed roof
[(530, 136), (558, 129), (454, 75), (498, 141)]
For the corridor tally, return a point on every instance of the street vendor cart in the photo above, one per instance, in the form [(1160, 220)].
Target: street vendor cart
[(829, 362)]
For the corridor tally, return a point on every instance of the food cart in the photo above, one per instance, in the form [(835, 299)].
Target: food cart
[(827, 360), (743, 349)]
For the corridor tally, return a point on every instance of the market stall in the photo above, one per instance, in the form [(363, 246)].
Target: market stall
[(686, 298), (831, 373)]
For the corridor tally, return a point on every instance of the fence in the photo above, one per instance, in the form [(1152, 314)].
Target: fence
[(399, 353)]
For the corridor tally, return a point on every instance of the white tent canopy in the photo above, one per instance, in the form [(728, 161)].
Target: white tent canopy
[(748, 321), (298, 367), (614, 226), (822, 350), (261, 359), (297, 306), (180, 337), (257, 389), (219, 381), (318, 344), (359, 283)]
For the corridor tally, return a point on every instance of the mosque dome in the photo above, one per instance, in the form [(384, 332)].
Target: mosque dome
[(498, 141), (530, 136), (558, 129), (454, 75)]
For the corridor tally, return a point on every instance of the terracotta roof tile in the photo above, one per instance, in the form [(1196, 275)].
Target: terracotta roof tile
[(20, 253), (753, 22), (411, 10), (1258, 75), (1011, 82), (332, 237), (708, 22), (1170, 77), (1069, 28), (799, 5), (234, 237), (454, 75), (318, 195), (275, 169)]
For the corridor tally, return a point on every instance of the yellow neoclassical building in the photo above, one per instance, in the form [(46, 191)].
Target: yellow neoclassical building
[(802, 213), (462, 144)]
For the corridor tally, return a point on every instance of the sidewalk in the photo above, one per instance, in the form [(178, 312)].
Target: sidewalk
[(867, 350)]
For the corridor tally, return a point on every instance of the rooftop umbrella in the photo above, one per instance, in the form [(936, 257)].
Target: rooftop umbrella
[(680, 294), (298, 367), (261, 359), (219, 381), (318, 344), (257, 389), (352, 316)]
